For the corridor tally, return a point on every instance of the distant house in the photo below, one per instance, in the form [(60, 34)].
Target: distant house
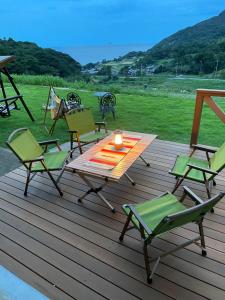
[(149, 70), (132, 71)]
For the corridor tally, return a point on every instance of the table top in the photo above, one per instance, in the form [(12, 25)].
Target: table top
[(100, 94), (80, 163)]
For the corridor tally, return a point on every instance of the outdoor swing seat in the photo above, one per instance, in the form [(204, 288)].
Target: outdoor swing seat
[(35, 158), (83, 129), (199, 170), (155, 217)]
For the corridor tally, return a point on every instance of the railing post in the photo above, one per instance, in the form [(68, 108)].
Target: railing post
[(197, 118)]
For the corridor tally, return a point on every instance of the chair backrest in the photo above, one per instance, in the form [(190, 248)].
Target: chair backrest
[(73, 100), (217, 161), (193, 214), (24, 145), (81, 121), (108, 100)]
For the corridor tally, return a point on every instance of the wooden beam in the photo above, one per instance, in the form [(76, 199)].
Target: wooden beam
[(201, 96), (217, 110), (197, 118), (209, 92)]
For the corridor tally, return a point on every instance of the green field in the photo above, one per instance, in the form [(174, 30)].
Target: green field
[(165, 109)]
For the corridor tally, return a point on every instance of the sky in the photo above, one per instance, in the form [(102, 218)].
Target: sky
[(72, 23)]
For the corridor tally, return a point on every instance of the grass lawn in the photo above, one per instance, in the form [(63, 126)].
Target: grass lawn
[(168, 116)]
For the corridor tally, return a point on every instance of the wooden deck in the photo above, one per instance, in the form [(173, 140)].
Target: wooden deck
[(70, 251)]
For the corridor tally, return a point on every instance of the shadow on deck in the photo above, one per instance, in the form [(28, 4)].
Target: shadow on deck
[(68, 250)]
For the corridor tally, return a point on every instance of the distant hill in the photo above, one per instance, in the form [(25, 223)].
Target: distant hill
[(196, 49), (32, 59), (199, 49)]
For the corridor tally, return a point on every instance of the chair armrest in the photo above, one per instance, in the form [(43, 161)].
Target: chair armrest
[(138, 217), (43, 143), (202, 169), (10, 98), (192, 195), (205, 148), (40, 158), (100, 123), (50, 142)]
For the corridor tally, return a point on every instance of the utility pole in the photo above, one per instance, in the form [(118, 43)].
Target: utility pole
[(201, 63), (216, 69), (176, 69)]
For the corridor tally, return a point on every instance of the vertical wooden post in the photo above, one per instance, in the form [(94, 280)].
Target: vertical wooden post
[(197, 118)]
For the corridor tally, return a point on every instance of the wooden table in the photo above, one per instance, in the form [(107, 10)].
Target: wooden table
[(80, 166)]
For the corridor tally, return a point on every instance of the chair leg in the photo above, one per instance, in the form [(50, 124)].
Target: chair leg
[(55, 183), (27, 182), (60, 174), (145, 250), (177, 184), (214, 182), (147, 262), (125, 227), (80, 148), (204, 253), (208, 189), (71, 147), (179, 181), (183, 197)]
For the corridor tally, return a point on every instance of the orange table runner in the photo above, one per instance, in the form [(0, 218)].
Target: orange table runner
[(108, 157)]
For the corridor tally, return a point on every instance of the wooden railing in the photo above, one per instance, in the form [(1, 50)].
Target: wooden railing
[(205, 95)]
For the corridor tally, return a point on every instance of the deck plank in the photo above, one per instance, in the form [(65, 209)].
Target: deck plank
[(71, 251)]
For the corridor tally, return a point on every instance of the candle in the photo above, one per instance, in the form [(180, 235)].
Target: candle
[(118, 139)]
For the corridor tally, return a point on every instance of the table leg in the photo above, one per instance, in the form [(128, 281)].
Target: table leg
[(147, 163), (130, 179), (96, 190)]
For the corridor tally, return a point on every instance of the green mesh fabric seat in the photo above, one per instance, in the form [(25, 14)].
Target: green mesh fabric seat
[(53, 161), (160, 215), (35, 158), (181, 168), (83, 129), (93, 136), (152, 212), (200, 170)]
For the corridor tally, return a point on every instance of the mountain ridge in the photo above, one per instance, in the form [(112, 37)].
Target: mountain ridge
[(34, 60), (197, 49)]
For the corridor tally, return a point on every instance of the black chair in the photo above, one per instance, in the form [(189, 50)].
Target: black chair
[(107, 104), (73, 101)]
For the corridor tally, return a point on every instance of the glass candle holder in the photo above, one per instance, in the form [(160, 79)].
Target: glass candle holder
[(118, 139)]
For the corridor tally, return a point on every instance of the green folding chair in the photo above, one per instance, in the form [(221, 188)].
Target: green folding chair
[(200, 170), (83, 129), (35, 158), (162, 214)]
